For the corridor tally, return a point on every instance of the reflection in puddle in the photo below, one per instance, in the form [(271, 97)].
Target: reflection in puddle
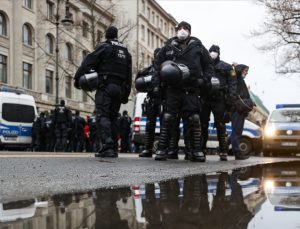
[(252, 197)]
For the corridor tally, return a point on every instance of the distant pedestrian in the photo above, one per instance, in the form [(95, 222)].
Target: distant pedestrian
[(243, 106), (125, 122)]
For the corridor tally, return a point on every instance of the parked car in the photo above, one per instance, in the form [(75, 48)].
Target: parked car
[(282, 130)]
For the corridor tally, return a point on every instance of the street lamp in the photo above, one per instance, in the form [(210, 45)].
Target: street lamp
[(66, 21)]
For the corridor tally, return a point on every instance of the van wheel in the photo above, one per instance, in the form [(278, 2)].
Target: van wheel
[(245, 146)]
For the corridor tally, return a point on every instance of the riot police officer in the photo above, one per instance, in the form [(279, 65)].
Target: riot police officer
[(183, 65), (218, 99), (62, 121), (112, 61), (152, 104)]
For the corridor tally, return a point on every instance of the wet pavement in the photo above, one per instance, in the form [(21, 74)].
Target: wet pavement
[(260, 196), (29, 175)]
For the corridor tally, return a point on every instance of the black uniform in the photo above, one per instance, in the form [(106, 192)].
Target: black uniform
[(62, 121), (218, 101), (112, 61), (182, 98), (38, 133)]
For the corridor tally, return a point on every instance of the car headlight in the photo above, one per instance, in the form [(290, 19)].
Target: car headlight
[(270, 131)]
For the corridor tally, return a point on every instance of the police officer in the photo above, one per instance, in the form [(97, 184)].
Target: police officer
[(218, 100), (62, 121), (112, 61), (38, 133), (79, 124), (152, 105), (192, 58), (243, 105)]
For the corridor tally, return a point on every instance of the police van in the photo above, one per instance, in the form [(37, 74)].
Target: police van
[(17, 113), (250, 141), (282, 130)]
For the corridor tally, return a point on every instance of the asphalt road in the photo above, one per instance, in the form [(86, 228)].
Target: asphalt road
[(26, 175)]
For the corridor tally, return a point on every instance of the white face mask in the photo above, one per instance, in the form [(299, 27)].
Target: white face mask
[(214, 55), (182, 34)]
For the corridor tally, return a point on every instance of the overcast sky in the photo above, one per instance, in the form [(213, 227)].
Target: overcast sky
[(228, 23)]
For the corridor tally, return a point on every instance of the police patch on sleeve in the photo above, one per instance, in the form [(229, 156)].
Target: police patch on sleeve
[(232, 72)]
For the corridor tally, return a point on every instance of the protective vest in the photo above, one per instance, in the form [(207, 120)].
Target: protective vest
[(115, 64)]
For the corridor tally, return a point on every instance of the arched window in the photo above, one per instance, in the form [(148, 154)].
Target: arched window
[(27, 34), (68, 52), (49, 43), (3, 25)]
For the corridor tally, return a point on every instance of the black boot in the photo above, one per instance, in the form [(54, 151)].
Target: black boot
[(173, 154), (197, 154), (223, 145), (146, 153), (161, 153)]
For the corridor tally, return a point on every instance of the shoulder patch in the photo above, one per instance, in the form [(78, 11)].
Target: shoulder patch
[(232, 72)]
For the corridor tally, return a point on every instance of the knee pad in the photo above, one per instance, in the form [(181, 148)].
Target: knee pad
[(167, 117), (194, 119)]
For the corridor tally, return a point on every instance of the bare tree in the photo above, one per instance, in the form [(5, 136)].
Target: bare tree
[(282, 29)]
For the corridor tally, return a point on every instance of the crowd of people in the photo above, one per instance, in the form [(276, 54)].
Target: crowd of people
[(60, 130)]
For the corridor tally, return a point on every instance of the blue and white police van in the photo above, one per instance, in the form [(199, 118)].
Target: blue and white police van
[(17, 113), (282, 130), (250, 141)]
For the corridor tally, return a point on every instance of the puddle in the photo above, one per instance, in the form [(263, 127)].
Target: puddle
[(250, 197)]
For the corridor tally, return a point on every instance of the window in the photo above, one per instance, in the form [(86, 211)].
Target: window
[(49, 44), (143, 6), (157, 20), (99, 35), (84, 97), (27, 4), (27, 75), (68, 52), (165, 28), (3, 68), (68, 86), (149, 37), (152, 40), (11, 112), (153, 17), (143, 59), (84, 54), (27, 35), (49, 81), (50, 7), (85, 29), (148, 13), (3, 25), (143, 32)]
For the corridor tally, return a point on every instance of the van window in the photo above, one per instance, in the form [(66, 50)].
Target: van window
[(18, 113)]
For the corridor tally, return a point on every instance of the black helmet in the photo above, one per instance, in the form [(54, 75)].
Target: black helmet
[(89, 81), (143, 84), (170, 73)]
